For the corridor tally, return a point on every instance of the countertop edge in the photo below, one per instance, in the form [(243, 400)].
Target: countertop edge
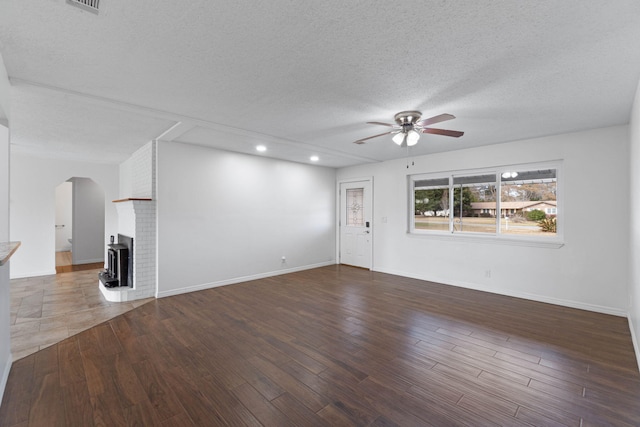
[(6, 250)]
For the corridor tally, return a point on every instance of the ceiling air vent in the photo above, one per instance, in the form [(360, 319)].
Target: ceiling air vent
[(90, 5)]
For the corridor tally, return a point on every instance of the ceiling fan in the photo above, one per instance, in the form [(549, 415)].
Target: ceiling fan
[(408, 128)]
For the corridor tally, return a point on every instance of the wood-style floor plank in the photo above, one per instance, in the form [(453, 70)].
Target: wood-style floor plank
[(78, 402), (334, 346), (47, 404)]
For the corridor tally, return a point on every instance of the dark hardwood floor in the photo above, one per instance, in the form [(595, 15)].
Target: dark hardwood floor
[(334, 346)]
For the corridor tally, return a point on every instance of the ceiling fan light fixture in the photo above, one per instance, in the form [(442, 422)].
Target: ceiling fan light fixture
[(398, 138), (408, 128), (412, 137)]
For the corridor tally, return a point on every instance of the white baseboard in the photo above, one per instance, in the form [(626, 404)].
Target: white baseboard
[(231, 281), (5, 376), (516, 294)]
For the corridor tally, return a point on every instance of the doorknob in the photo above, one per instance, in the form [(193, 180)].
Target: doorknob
[(367, 231)]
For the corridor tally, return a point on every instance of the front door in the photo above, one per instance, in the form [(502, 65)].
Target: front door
[(355, 223)]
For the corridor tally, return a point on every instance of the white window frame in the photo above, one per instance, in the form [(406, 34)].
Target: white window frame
[(497, 237)]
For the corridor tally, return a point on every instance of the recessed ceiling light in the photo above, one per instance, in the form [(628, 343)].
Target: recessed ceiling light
[(314, 158), (261, 148)]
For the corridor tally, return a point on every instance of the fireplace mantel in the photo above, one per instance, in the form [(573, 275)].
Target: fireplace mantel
[(131, 199)]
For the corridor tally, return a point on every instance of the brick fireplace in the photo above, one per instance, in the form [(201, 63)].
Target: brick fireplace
[(137, 219)]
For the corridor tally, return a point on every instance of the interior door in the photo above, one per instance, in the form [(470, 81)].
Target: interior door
[(356, 224)]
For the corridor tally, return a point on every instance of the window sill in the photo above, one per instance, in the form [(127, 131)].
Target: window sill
[(551, 243)]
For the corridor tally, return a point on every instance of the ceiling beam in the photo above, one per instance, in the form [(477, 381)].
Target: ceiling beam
[(175, 131)]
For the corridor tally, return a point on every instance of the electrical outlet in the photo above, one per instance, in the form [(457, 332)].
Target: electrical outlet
[(487, 274)]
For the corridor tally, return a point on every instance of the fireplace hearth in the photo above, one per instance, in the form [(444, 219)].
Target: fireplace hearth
[(119, 271)]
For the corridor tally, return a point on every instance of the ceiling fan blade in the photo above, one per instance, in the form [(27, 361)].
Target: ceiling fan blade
[(361, 141), (445, 132), (382, 124), (436, 119)]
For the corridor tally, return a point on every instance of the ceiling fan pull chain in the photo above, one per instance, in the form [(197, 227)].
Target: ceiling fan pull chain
[(407, 157)]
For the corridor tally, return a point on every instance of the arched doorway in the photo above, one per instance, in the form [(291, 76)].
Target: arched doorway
[(80, 204)]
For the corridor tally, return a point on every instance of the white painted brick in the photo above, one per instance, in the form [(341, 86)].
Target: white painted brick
[(138, 219)]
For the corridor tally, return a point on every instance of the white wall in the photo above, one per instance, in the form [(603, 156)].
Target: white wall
[(589, 271), (5, 335), (226, 217), (88, 222), (634, 232), (32, 207), (64, 216), (5, 320), (4, 183), (5, 95)]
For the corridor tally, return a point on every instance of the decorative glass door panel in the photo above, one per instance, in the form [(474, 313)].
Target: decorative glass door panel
[(355, 207)]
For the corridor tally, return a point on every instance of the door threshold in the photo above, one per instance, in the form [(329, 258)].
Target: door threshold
[(356, 266), (78, 267)]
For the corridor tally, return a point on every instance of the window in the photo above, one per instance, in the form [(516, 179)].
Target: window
[(466, 190), (528, 193), (432, 204), (513, 202)]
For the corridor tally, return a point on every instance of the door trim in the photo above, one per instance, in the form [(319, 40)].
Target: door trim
[(338, 207)]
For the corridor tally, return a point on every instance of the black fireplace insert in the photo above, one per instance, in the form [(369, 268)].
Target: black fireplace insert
[(119, 270)]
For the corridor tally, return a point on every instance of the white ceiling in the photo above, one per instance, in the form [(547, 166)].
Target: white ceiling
[(303, 78)]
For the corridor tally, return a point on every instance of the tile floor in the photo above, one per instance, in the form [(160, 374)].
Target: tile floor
[(48, 309)]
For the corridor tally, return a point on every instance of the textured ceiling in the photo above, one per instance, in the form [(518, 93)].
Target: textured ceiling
[(302, 78)]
